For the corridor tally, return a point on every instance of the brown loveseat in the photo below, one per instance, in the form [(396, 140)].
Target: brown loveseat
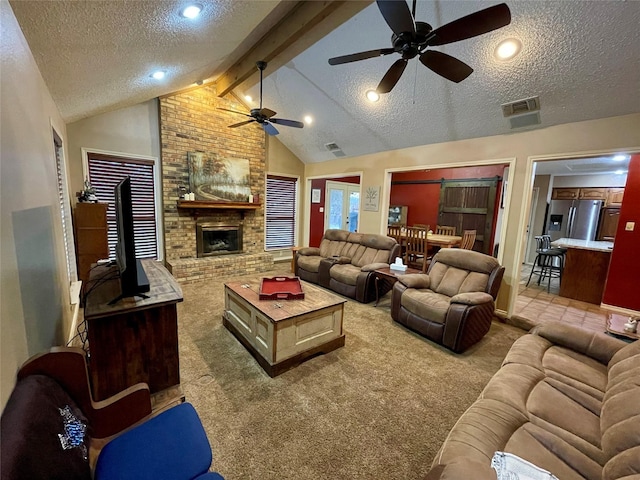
[(453, 303), (565, 399), (345, 262)]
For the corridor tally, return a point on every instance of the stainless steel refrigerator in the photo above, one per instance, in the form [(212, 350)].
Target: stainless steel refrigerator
[(573, 219)]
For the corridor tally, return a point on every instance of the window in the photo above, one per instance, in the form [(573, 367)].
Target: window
[(105, 172), (65, 208), (280, 216)]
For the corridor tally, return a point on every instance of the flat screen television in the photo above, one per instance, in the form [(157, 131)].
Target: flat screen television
[(133, 279)]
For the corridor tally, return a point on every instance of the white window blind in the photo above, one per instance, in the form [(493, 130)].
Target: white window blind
[(65, 208), (280, 208), (105, 172)]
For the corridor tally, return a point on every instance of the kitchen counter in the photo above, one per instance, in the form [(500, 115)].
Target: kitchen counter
[(585, 269), (598, 246)]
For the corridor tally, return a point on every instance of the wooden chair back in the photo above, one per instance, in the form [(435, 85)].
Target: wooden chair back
[(416, 250), (445, 230), (395, 231), (423, 226), (468, 239)]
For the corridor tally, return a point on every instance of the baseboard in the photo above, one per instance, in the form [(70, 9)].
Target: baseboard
[(622, 311)]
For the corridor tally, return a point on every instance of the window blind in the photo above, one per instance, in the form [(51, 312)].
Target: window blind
[(280, 212), (105, 172)]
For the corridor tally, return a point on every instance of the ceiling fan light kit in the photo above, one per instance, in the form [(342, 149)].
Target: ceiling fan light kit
[(263, 116), (411, 38)]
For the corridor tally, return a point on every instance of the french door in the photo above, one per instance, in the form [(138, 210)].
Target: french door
[(342, 205)]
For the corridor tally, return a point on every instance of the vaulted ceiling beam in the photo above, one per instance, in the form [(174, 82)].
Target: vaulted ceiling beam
[(306, 23)]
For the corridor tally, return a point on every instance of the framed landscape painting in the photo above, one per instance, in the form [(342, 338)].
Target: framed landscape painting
[(219, 179)]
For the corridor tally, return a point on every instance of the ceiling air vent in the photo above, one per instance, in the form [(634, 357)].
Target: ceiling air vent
[(521, 106), (335, 149)]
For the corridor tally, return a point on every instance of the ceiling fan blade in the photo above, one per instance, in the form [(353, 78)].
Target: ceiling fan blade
[(270, 129), (267, 112), (397, 15), (287, 123), (472, 25), (233, 111), (354, 57), (445, 65), (392, 76), (241, 123)]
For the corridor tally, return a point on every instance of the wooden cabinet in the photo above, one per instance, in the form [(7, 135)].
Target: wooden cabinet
[(565, 194), (398, 214), (608, 223), (591, 193), (90, 222), (614, 196)]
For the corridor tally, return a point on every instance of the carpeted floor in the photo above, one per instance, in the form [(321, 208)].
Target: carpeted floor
[(380, 407)]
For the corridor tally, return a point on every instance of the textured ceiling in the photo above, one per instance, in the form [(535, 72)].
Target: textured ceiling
[(580, 57)]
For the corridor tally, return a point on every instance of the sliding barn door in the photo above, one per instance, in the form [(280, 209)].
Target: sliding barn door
[(469, 205)]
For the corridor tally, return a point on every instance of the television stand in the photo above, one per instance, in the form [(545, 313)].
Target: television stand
[(120, 297), (133, 339)]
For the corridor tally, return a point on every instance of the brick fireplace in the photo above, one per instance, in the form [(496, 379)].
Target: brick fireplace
[(190, 121), (213, 238)]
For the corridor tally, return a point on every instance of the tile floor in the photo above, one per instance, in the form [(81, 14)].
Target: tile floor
[(538, 306)]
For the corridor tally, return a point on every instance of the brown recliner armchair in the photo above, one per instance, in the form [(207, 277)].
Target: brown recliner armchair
[(453, 303)]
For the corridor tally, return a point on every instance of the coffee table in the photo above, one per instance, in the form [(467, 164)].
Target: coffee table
[(281, 334), (386, 277), (615, 325)]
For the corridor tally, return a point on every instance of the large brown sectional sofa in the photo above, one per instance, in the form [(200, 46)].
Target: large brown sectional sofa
[(345, 262), (565, 399)]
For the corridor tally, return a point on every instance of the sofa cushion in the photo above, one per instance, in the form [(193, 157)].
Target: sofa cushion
[(426, 304), (345, 273), (32, 427), (467, 260), (370, 255), (310, 264)]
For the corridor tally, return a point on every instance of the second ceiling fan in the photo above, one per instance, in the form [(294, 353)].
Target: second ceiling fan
[(264, 116), (411, 38)]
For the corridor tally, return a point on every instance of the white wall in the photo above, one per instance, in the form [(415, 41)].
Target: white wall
[(34, 289), (610, 180)]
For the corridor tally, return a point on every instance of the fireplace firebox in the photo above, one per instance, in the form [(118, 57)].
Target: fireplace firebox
[(218, 239)]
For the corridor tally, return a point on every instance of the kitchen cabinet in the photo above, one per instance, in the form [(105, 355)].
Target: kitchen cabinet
[(614, 197), (608, 223), (565, 193), (591, 193)]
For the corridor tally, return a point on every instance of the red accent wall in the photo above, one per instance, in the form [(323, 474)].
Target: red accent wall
[(423, 199), (316, 227), (623, 280)]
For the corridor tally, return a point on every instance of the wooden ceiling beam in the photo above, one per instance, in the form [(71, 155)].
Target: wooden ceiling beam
[(306, 23)]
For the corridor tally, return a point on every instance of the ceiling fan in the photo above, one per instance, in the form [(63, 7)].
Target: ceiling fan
[(411, 38), (263, 116)]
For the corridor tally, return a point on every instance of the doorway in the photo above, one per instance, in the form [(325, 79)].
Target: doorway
[(342, 205)]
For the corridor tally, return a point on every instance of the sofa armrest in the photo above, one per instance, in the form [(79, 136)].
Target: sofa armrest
[(374, 266), (596, 345), (309, 251), (415, 280), (341, 259), (472, 298), (462, 469)]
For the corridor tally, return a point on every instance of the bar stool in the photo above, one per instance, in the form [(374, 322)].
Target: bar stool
[(546, 261)]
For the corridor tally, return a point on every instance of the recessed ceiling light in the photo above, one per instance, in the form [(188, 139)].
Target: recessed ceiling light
[(158, 75), (248, 98), (373, 96), (191, 11), (308, 119), (507, 49), (620, 158)]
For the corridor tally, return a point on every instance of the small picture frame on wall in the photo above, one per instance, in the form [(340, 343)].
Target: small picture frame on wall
[(371, 200), (315, 195)]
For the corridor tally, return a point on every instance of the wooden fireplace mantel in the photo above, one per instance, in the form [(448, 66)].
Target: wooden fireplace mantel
[(212, 205)]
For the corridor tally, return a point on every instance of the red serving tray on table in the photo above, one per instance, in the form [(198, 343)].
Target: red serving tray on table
[(281, 288)]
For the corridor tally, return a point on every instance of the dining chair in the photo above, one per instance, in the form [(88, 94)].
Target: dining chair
[(445, 230), (468, 239), (416, 250), (423, 226)]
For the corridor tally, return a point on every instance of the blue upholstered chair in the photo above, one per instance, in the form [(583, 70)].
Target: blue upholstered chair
[(172, 445)]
